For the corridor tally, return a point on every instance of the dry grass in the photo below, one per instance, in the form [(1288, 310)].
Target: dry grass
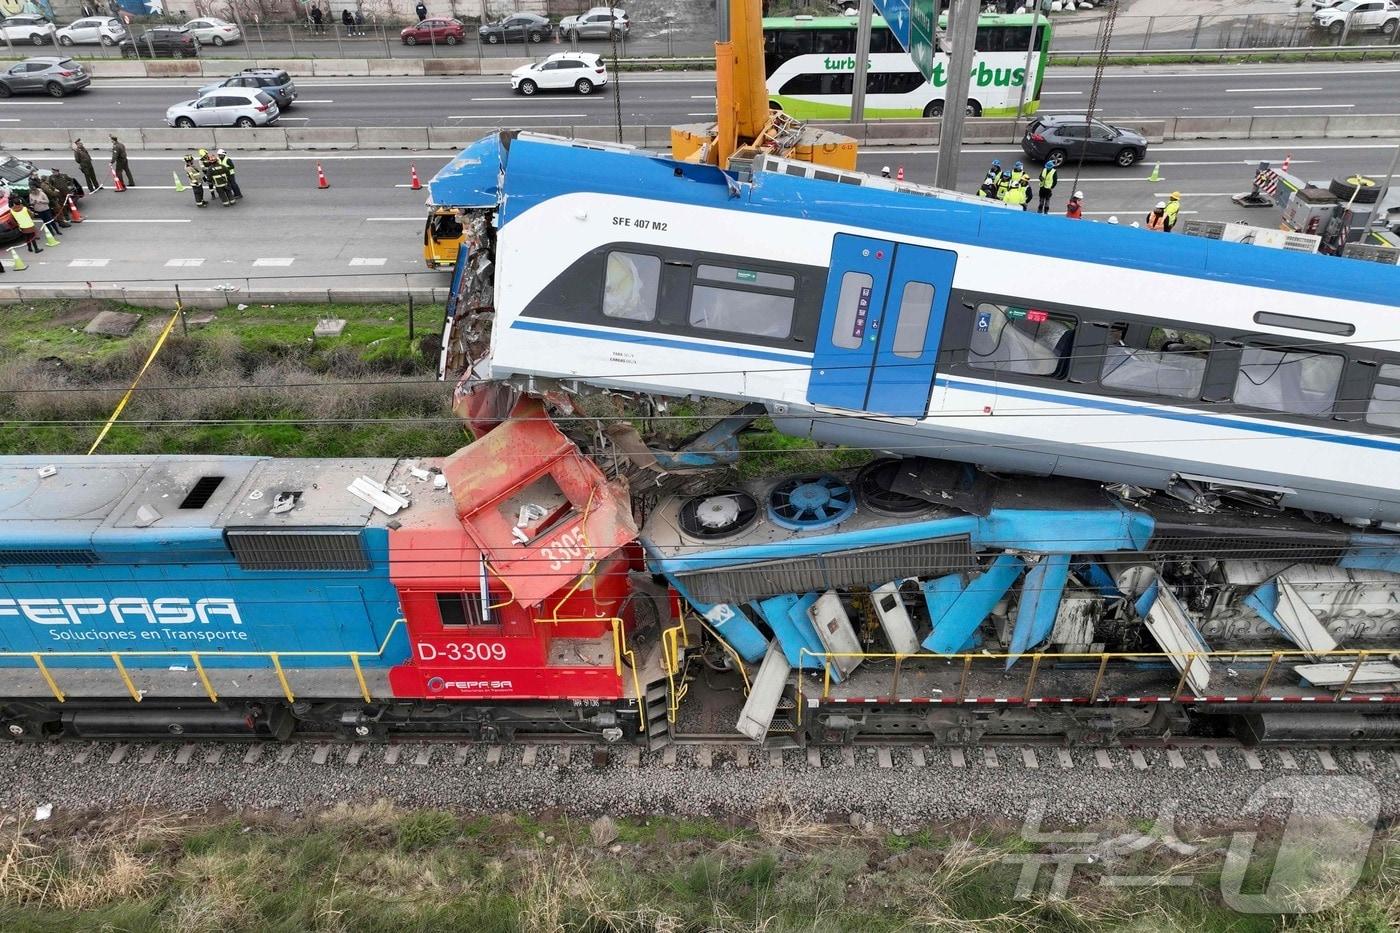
[(93, 870)]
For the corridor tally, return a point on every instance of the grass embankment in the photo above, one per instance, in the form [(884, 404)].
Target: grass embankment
[(249, 382), (376, 869)]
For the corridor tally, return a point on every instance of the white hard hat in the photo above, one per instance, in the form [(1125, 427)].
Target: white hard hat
[(1135, 224), (1162, 204), (1079, 195), (1113, 219), (885, 169)]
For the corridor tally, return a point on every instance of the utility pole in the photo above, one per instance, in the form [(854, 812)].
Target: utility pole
[(1030, 53), (863, 25), (962, 48)]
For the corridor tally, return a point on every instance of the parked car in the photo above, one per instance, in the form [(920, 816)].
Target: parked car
[(1067, 136), (274, 81), (445, 31), (228, 106), (597, 23), (27, 29), (214, 31), (517, 28), (53, 76), (161, 42), (578, 71), (90, 30), (1359, 16)]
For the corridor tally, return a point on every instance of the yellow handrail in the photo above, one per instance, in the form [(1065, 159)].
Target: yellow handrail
[(671, 654)]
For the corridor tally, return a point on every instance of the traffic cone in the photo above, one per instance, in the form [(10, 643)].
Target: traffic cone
[(1287, 161), (321, 177), (1156, 172), (116, 180), (179, 185), (899, 173), (49, 238), (413, 181), (74, 215), (17, 264)]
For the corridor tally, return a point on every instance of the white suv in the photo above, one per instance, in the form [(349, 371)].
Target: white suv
[(580, 71), (91, 30), (27, 27), (1359, 16), (225, 106)]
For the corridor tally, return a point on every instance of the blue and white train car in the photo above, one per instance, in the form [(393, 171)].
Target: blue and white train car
[(887, 316)]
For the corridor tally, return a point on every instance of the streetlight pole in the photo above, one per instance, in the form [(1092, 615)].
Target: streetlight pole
[(1030, 53), (863, 27), (962, 50)]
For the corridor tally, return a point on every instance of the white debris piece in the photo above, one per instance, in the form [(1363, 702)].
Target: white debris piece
[(377, 495), (43, 811), (46, 471), (419, 473)]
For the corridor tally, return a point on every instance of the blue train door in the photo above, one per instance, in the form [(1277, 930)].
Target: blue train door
[(881, 322)]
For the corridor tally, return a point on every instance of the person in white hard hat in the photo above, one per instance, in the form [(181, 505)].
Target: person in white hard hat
[(1113, 219), (1074, 210), (227, 163), (1157, 219), (885, 172)]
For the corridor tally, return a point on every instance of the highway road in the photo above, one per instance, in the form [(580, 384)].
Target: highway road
[(365, 230), (663, 99)]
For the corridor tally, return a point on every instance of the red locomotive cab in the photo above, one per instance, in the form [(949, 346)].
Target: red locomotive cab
[(466, 646)]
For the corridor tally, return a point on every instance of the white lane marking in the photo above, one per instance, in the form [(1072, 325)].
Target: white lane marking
[(87, 263), (1267, 90), (292, 119), (1061, 93), (1301, 106), (367, 261), (712, 97), (305, 101), (512, 116), (171, 263), (416, 220), (1129, 212), (1222, 150), (1237, 75), (515, 97), (35, 103), (9, 119), (274, 261), (710, 114), (134, 220), (1197, 194)]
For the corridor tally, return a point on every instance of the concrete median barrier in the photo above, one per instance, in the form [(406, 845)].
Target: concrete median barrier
[(989, 131), (324, 137), (1349, 127), (340, 67), (37, 140), (895, 133), (451, 66), (396, 67), (392, 137), (223, 67), (1212, 127), (113, 68), (1288, 128), (256, 137), (176, 68), (165, 137), (454, 137)]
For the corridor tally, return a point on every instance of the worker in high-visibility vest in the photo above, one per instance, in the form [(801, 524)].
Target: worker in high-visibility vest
[(993, 172), (1074, 210), (1157, 217), (1019, 194), (1003, 185), (1048, 177), (1171, 210), (1018, 171), (24, 220)]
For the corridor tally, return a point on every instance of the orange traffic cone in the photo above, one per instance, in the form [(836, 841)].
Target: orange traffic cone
[(899, 174), (74, 215), (1287, 161), (321, 177), (116, 180), (413, 181)]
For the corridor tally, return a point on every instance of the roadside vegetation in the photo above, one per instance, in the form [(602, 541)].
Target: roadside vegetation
[(374, 868), (247, 382)]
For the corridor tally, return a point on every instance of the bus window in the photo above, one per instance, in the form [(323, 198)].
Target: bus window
[(833, 41), (793, 42)]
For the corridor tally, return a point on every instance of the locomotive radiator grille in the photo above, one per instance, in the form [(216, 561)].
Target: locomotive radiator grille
[(297, 549), (864, 567)]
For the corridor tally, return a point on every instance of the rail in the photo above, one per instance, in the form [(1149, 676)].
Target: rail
[(119, 661), (1095, 692)]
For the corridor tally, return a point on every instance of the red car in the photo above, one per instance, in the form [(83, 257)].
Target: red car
[(446, 31)]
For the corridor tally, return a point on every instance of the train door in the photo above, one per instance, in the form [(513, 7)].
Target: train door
[(881, 323)]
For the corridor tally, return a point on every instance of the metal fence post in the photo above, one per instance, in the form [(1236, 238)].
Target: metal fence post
[(291, 37), (1147, 37), (340, 48), (1196, 36)]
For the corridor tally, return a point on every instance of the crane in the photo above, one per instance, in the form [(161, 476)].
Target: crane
[(745, 127)]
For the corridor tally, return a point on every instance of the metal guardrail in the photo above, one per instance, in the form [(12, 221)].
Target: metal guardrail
[(1376, 52)]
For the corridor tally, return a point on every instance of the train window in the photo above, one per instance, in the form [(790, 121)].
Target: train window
[(915, 306), (741, 312), (1384, 407), (753, 277), (1299, 383), (1023, 341), (459, 609), (852, 308), (631, 287), (1160, 362)]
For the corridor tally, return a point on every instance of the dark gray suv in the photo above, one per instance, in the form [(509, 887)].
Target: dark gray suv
[(53, 76), (1068, 136), (275, 82)]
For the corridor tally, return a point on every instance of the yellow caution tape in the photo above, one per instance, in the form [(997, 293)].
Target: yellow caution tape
[(160, 342)]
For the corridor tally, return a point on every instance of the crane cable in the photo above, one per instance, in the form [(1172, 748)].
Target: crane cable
[(1105, 38)]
